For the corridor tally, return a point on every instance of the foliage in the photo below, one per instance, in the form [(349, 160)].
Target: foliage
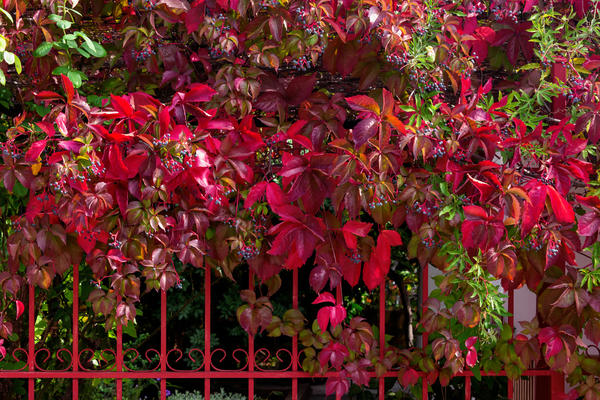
[(273, 135), (196, 395)]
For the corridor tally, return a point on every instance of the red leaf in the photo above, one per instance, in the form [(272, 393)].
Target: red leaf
[(199, 93), (68, 87), (363, 103), (410, 377), (351, 272), (35, 150), (532, 210), (86, 241), (300, 89), (47, 127), (193, 18), (20, 308), (256, 192), (324, 297), (121, 106), (378, 266), (471, 358), (364, 130), (355, 228), (338, 385), (337, 315), (560, 207)]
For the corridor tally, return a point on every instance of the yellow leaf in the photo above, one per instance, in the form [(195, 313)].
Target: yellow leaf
[(35, 168)]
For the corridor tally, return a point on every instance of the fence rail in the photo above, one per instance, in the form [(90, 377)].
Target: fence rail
[(75, 368)]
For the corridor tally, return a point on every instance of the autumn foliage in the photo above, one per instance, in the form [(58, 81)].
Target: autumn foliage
[(279, 135)]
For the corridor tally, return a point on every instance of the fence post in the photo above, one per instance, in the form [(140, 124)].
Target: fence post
[(75, 357), (207, 355), (31, 342), (163, 342)]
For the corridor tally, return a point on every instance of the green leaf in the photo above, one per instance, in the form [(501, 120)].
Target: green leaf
[(64, 24), (54, 17), (76, 78), (85, 38), (83, 52), (18, 66), (43, 49), (61, 69), (2, 43), (7, 14), (95, 49), (9, 57), (19, 190), (2, 78)]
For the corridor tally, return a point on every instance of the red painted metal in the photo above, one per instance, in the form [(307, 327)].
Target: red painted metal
[(75, 361), (75, 329)]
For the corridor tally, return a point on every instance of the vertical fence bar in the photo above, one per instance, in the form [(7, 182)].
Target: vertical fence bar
[(467, 388), (75, 357), (425, 337), (295, 337), (207, 355), (557, 386), (251, 346), (31, 342), (163, 342), (511, 323), (381, 335), (119, 351)]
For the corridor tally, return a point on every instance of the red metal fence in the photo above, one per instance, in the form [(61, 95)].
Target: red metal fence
[(554, 389), (211, 357)]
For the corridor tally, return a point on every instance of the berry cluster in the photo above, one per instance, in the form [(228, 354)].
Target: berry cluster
[(143, 54), (303, 63), (160, 142), (59, 186), (476, 7), (95, 168), (378, 203), (274, 139), (398, 59), (8, 149), (265, 4), (547, 181), (149, 4), (247, 252), (577, 89), (501, 12), (22, 51), (459, 155), (231, 222), (439, 150), (435, 86), (172, 166), (355, 257), (314, 29), (430, 242), (553, 249), (217, 52), (186, 158), (115, 243), (426, 208), (216, 200), (260, 223)]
